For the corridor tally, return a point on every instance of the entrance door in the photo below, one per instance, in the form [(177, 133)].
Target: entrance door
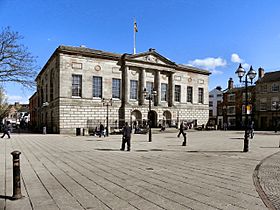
[(153, 118)]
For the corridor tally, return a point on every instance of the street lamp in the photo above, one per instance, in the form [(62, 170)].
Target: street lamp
[(251, 74), (149, 96), (276, 106), (107, 102)]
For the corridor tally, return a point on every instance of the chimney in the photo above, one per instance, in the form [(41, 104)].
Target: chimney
[(261, 72), (230, 83)]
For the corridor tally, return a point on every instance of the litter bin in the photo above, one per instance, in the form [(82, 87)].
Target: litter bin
[(78, 131)]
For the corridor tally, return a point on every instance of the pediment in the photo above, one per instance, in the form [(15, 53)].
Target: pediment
[(152, 57)]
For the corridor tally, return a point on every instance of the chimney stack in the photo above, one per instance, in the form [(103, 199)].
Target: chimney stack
[(230, 83), (261, 72)]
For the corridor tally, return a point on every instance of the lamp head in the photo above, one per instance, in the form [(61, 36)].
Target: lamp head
[(240, 72)]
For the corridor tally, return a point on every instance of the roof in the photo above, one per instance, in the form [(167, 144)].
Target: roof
[(84, 51), (270, 77)]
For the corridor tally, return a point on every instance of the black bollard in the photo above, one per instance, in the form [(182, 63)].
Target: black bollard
[(16, 176)]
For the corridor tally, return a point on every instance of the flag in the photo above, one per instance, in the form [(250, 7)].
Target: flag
[(135, 26)]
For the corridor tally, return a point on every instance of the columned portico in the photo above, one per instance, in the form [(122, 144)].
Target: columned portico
[(142, 85), (170, 89), (157, 87)]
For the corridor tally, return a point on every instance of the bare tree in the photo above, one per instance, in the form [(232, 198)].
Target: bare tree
[(4, 107), (16, 63)]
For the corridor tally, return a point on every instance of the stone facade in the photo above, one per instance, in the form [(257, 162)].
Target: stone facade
[(61, 112)]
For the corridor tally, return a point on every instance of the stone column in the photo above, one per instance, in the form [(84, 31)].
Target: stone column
[(157, 87), (142, 85), (171, 89), (125, 85)]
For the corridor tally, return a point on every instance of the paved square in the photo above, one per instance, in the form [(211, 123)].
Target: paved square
[(86, 172)]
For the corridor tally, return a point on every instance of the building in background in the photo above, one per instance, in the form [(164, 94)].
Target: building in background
[(215, 100), (75, 80), (267, 110)]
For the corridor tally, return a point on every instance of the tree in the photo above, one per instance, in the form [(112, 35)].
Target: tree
[(4, 107), (16, 63)]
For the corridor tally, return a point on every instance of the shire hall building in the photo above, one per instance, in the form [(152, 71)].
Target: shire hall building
[(79, 88)]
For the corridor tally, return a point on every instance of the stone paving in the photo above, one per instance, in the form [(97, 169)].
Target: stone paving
[(86, 172)]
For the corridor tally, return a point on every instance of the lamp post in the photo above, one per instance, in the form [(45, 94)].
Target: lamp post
[(150, 98), (107, 103), (251, 74), (44, 105)]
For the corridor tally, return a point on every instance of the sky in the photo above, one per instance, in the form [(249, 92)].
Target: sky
[(215, 35)]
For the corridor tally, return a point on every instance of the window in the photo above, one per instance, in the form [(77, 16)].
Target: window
[(77, 85), (116, 88), (189, 94), (210, 103), (200, 95), (164, 93), (219, 95), (177, 93), (244, 96), (274, 101), (211, 113), (231, 97), (275, 87), (211, 96), (97, 87), (231, 110), (263, 104), (133, 89), (149, 88)]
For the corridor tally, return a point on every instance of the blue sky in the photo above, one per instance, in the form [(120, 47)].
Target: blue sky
[(214, 34)]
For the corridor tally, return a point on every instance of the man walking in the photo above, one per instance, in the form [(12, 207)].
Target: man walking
[(126, 137), (182, 131), (6, 130)]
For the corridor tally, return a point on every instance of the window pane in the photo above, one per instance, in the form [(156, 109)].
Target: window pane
[(189, 94), (164, 92), (200, 95), (116, 88), (77, 85), (133, 89), (97, 87), (149, 88), (177, 93)]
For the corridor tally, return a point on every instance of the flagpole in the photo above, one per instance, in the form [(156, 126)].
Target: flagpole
[(134, 38)]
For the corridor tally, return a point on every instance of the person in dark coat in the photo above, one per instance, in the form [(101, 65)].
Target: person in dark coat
[(181, 129), (101, 130), (6, 130), (126, 137)]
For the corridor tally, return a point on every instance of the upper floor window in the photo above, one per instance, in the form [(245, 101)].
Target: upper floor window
[(231, 110), (177, 93), (190, 94), (211, 96), (274, 102), (275, 87), (249, 94), (200, 95), (219, 95), (77, 85), (263, 104), (210, 113), (97, 87), (210, 103), (164, 93), (133, 89), (231, 97), (149, 88), (116, 88)]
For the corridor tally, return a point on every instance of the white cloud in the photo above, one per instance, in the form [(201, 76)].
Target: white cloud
[(209, 63), (235, 58)]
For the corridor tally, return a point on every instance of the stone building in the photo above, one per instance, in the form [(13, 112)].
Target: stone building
[(267, 108), (74, 82), (215, 99)]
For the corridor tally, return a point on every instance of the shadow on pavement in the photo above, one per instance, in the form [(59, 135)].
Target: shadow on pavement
[(6, 197), (205, 151)]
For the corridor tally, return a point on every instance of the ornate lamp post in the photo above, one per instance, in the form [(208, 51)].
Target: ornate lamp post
[(251, 74), (107, 102), (150, 98)]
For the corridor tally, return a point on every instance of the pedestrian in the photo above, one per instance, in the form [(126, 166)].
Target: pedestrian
[(6, 130), (126, 137), (101, 130), (181, 129), (252, 130)]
